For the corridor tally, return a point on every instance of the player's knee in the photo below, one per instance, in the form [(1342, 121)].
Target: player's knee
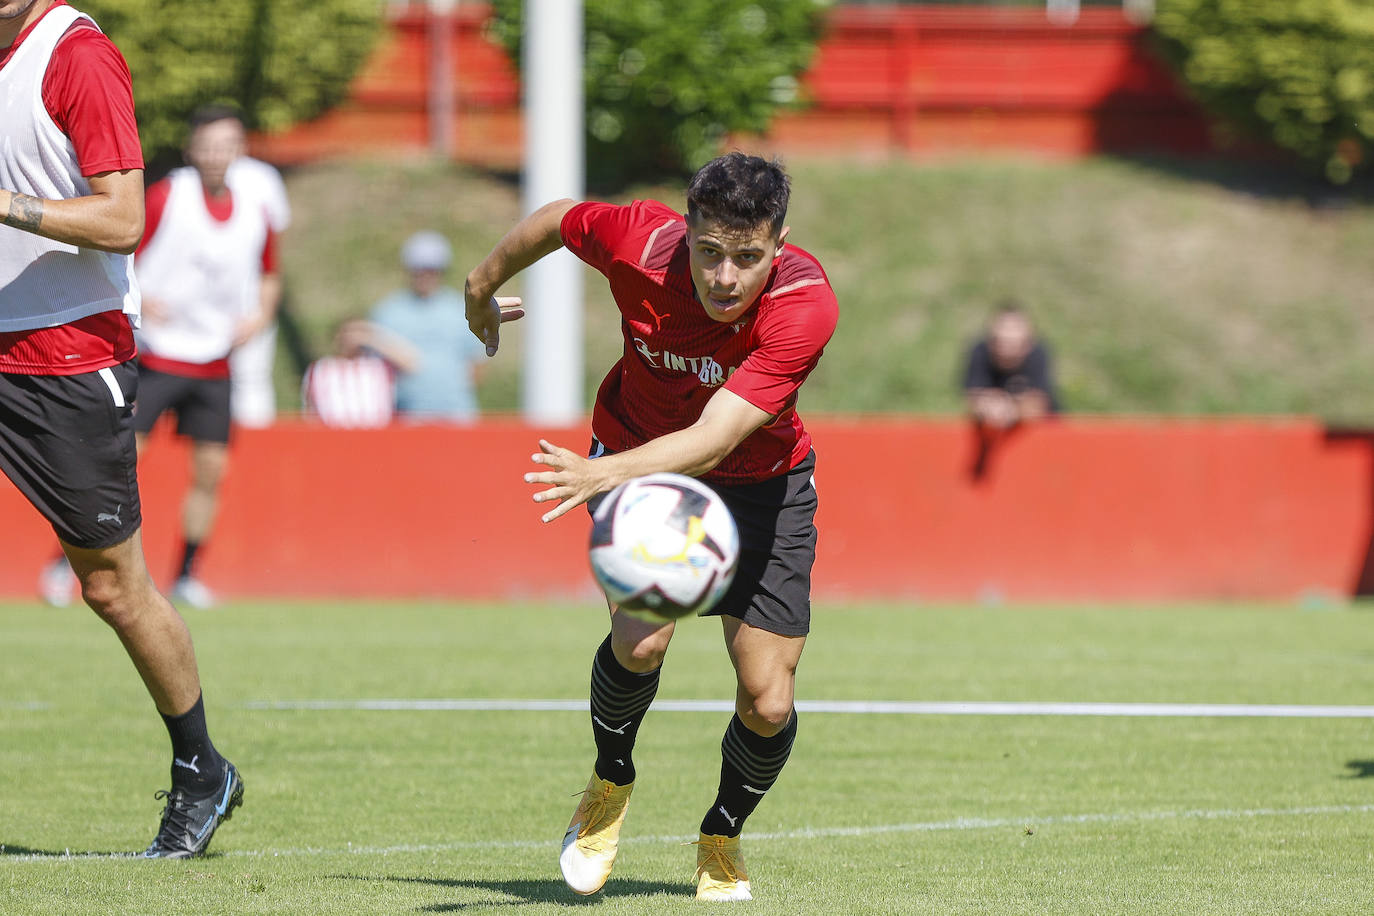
[(639, 647), (112, 599), (640, 657), (206, 485), (108, 599), (207, 470), (767, 715)]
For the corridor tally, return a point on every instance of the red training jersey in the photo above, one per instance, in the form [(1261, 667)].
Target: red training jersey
[(676, 356), (89, 94)]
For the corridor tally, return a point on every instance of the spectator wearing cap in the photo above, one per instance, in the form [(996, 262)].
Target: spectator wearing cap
[(441, 384)]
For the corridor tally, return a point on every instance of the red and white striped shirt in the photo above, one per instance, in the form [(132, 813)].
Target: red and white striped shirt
[(350, 392)]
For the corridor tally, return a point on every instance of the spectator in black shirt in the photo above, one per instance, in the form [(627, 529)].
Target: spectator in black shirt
[(1008, 377)]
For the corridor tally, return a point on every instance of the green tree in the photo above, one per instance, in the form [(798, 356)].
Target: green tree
[(1299, 72), (667, 80), (281, 62)]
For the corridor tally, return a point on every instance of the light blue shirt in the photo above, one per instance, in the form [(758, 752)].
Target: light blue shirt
[(441, 385)]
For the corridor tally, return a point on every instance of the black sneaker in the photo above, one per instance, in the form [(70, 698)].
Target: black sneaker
[(189, 823)]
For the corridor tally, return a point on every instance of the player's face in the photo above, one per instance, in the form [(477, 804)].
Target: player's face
[(13, 9), (426, 282), (1009, 341), (15, 16), (212, 148), (731, 266)]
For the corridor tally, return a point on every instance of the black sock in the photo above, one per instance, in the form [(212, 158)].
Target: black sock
[(749, 766), (188, 558), (620, 698), (196, 764)]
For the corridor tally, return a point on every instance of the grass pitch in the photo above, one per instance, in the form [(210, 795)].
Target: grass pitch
[(423, 810)]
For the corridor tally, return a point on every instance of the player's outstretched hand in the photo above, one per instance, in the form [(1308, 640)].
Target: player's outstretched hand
[(485, 318), (573, 479)]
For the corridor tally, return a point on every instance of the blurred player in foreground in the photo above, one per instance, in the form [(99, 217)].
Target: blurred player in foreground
[(722, 323), (71, 211)]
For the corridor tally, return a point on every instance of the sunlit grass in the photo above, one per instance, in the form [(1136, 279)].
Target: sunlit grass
[(350, 810)]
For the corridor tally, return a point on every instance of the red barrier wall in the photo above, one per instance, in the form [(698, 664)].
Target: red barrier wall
[(886, 79), (1077, 509), (926, 78)]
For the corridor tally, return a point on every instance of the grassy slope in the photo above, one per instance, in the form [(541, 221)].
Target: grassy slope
[(1162, 288), (460, 812)]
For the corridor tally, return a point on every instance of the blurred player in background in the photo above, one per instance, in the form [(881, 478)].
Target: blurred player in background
[(207, 268), (722, 322), (71, 211)]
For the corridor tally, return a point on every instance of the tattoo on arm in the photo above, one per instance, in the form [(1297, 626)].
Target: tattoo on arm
[(25, 212)]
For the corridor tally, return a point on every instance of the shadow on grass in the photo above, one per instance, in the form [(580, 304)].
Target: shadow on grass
[(9, 849), (529, 891), (1360, 769), (1255, 176)]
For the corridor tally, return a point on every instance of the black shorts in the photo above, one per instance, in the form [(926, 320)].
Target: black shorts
[(200, 404), (777, 532), (67, 443)]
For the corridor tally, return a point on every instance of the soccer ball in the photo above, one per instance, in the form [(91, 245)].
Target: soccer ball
[(663, 546)]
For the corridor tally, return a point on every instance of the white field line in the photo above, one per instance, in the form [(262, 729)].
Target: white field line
[(859, 707), (805, 833), (846, 707)]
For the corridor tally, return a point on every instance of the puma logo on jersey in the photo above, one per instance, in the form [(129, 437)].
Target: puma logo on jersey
[(111, 516), (658, 319)]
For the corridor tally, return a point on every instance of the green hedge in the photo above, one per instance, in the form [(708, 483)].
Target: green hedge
[(666, 80), (282, 62), (1299, 72)]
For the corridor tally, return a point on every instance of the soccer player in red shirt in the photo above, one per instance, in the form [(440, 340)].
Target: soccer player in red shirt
[(71, 211), (722, 322)]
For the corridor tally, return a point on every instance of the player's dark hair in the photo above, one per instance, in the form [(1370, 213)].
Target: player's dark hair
[(1010, 305), (209, 114), (740, 192)]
